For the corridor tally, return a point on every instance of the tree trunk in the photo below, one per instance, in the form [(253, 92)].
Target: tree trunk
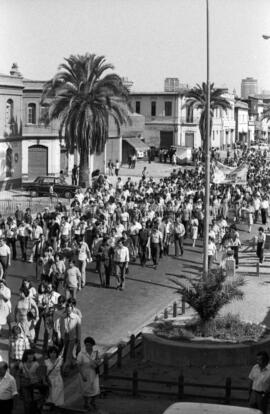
[(205, 327), (84, 169)]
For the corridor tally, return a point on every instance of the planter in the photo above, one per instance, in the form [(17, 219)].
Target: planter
[(198, 353)]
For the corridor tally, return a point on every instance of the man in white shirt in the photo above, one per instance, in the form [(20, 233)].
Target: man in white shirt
[(260, 382), (179, 232), (264, 210), (8, 389), (72, 280), (5, 258), (84, 256), (70, 330), (257, 205), (65, 230), (121, 260), (211, 251), (37, 231)]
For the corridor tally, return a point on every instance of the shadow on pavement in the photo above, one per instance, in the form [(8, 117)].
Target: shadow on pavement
[(149, 282)]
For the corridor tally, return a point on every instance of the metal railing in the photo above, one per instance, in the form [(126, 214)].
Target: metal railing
[(9, 206)]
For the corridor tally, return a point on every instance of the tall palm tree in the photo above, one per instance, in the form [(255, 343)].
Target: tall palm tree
[(197, 99), (82, 97)]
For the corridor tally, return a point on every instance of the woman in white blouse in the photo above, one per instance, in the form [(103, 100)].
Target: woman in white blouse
[(88, 362)]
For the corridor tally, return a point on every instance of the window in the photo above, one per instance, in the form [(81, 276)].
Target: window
[(9, 156), (43, 113), (138, 107), (31, 113), (168, 108), (153, 108), (48, 180), (9, 111), (189, 114)]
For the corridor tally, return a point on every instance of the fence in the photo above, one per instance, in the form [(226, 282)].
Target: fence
[(9, 206), (180, 388), (224, 392)]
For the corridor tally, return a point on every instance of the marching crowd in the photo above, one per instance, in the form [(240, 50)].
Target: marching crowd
[(113, 226)]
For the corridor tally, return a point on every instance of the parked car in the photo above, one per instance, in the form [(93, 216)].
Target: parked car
[(41, 186)]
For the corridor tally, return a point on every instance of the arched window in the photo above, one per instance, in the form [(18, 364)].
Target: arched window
[(9, 111), (31, 113), (9, 169)]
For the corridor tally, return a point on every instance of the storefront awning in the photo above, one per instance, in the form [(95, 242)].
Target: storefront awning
[(136, 143)]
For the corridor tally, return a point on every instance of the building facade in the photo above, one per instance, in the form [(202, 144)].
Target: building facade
[(168, 122), (28, 147)]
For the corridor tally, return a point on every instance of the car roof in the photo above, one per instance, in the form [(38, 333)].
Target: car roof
[(46, 176), (202, 408)]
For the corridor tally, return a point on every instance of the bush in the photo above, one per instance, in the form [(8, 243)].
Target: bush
[(226, 328), (231, 328)]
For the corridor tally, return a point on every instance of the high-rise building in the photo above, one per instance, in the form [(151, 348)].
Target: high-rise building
[(171, 85), (249, 87)]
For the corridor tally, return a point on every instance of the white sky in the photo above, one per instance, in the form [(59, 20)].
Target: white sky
[(146, 40)]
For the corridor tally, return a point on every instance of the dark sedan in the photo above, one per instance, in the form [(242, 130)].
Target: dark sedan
[(42, 185)]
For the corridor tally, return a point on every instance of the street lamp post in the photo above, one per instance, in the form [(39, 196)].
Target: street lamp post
[(207, 152)]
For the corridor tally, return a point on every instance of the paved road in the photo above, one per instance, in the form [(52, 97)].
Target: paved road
[(111, 315)]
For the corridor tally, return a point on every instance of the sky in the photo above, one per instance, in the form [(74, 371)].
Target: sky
[(145, 40)]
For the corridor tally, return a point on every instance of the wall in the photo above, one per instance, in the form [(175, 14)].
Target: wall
[(15, 178)]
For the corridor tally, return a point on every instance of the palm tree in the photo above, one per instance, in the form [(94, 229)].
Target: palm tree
[(82, 97), (208, 296), (266, 113), (197, 99)]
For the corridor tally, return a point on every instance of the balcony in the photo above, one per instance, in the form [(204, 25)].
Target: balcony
[(40, 129), (161, 119), (193, 121)]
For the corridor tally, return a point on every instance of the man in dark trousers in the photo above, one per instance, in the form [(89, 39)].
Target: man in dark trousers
[(104, 258), (143, 236), (74, 176)]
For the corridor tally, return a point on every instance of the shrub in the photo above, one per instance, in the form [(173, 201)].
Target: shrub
[(226, 328), (208, 295)]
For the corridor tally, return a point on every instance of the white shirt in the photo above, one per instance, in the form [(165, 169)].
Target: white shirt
[(4, 250), (211, 249), (65, 228), (265, 204), (8, 387), (135, 228), (260, 378), (119, 229), (84, 252), (121, 254), (257, 203), (37, 232)]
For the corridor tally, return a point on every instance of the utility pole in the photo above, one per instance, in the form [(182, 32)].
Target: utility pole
[(207, 154)]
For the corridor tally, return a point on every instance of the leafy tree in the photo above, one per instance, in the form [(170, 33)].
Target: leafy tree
[(82, 97), (196, 98), (208, 295)]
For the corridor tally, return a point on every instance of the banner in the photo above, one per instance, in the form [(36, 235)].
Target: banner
[(223, 174)]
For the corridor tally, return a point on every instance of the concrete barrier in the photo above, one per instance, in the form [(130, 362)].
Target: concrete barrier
[(198, 354)]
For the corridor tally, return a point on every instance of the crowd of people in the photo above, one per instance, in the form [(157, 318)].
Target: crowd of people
[(112, 226)]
